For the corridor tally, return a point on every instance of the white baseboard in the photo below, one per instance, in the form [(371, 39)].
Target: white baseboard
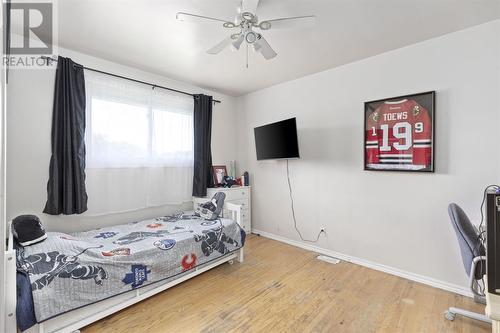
[(366, 263)]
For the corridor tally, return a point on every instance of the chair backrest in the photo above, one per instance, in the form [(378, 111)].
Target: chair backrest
[(468, 239)]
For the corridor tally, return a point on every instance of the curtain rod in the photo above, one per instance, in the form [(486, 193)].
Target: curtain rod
[(131, 79)]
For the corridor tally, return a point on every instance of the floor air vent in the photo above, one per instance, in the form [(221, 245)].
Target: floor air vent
[(330, 260)]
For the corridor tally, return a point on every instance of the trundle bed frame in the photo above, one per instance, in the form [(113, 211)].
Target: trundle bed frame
[(76, 319)]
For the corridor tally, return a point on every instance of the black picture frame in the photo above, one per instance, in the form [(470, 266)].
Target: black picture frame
[(420, 109)]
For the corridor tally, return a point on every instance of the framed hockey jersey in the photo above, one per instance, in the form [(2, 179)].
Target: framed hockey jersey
[(399, 133)]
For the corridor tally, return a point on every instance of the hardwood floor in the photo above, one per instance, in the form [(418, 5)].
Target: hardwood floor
[(281, 288)]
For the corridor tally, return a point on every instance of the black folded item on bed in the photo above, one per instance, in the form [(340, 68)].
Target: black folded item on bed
[(28, 229)]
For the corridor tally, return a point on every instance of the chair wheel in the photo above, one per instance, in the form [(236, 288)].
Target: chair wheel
[(230, 262), (449, 315)]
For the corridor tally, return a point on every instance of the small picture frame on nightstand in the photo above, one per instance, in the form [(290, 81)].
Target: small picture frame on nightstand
[(219, 172)]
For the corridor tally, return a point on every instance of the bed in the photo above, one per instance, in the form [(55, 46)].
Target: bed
[(78, 278)]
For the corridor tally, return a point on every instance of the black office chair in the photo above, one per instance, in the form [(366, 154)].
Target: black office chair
[(474, 259)]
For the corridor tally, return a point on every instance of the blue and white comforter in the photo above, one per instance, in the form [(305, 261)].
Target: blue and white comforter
[(68, 271)]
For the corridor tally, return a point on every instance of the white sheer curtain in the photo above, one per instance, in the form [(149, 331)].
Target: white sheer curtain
[(139, 145)]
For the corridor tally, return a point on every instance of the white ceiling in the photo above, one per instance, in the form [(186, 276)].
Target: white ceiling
[(146, 35)]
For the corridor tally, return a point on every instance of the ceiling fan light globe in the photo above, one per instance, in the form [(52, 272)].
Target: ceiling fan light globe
[(251, 37), (265, 25), (229, 25), (237, 42), (247, 16)]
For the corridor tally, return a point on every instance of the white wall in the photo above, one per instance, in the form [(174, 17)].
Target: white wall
[(394, 219), (30, 96)]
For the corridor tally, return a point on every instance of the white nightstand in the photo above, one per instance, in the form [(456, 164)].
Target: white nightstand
[(239, 195)]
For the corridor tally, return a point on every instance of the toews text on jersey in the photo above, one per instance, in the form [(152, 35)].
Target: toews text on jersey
[(399, 136)]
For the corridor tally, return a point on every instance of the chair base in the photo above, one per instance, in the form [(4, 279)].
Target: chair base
[(452, 312)]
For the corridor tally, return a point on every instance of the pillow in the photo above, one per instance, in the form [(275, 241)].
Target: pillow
[(27, 230), (211, 210)]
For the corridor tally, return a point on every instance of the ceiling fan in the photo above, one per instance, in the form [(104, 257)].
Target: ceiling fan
[(242, 28)]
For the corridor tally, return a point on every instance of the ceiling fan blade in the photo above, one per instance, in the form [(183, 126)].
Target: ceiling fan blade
[(262, 46), (237, 42), (186, 17), (221, 46), (289, 22), (249, 6)]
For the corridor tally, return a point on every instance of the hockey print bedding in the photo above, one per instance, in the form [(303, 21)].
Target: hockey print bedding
[(68, 271)]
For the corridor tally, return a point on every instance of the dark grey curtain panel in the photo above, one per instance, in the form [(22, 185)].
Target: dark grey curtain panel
[(202, 177), (66, 192)]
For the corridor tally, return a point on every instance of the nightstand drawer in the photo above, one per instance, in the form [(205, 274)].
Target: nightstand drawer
[(245, 213), (235, 193), (247, 228), (245, 203)]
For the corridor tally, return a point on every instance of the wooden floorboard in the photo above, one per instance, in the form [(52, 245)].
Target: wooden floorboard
[(282, 288)]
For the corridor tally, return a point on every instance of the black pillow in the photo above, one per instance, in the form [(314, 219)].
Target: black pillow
[(28, 229)]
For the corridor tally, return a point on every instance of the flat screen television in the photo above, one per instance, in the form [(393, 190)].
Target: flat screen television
[(277, 140)]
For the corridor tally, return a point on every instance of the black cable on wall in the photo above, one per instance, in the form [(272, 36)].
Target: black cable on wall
[(293, 209)]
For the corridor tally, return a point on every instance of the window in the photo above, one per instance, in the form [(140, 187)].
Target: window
[(139, 144), (133, 125)]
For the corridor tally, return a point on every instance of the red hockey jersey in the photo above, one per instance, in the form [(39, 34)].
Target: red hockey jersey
[(399, 136)]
